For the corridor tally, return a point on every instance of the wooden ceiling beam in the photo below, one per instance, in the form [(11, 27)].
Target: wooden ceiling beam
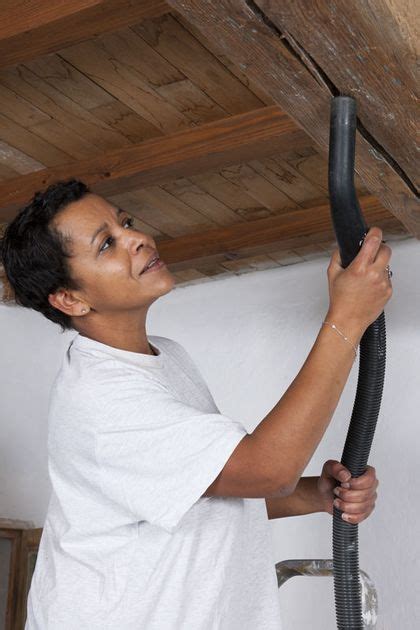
[(36, 27), (258, 37), (250, 136), (302, 223), (360, 52)]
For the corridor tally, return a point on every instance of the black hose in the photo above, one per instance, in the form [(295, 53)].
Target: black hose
[(350, 229)]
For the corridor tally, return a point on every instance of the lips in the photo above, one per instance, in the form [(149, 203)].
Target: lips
[(155, 266), (154, 255)]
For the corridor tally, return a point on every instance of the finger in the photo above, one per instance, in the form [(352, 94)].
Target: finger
[(366, 480), (370, 247), (343, 490), (383, 257), (336, 264), (335, 469), (353, 511), (354, 508), (356, 518), (355, 496)]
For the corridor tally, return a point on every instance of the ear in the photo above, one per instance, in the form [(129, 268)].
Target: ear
[(65, 300)]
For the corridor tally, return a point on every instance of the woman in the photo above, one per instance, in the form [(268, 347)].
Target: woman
[(158, 514)]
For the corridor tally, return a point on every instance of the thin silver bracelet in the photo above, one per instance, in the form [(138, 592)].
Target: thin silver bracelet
[(344, 337)]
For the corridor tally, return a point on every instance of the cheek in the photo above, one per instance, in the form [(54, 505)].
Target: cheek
[(103, 277), (109, 267)]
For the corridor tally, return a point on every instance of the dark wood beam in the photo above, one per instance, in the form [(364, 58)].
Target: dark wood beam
[(361, 53), (253, 135), (36, 27), (267, 54), (280, 229)]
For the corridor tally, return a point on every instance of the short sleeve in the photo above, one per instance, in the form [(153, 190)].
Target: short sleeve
[(160, 455)]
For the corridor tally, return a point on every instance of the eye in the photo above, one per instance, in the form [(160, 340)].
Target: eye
[(129, 221)]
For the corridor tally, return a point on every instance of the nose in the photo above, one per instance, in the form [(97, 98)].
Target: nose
[(137, 240)]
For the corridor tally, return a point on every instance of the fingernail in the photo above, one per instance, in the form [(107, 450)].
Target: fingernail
[(344, 476), (345, 516), (345, 485)]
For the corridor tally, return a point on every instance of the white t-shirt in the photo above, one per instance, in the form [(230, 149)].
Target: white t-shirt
[(129, 543)]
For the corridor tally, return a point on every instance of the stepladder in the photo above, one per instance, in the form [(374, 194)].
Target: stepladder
[(287, 569)]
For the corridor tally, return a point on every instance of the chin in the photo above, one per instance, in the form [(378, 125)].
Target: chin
[(166, 283)]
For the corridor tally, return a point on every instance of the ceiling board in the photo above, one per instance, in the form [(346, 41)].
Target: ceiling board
[(35, 27), (262, 51), (251, 135)]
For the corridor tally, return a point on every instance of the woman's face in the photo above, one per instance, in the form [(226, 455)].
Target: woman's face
[(108, 263)]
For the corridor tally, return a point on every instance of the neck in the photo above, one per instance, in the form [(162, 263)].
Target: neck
[(130, 336)]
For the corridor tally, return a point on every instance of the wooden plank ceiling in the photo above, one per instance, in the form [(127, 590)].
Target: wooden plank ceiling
[(198, 120)]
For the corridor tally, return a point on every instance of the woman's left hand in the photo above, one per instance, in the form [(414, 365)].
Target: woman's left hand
[(356, 501)]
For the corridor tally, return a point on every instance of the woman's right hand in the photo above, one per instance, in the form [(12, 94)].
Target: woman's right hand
[(359, 292)]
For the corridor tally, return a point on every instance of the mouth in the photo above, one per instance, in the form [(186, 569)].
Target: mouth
[(153, 265)]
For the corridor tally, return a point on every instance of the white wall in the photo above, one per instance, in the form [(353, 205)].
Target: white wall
[(249, 335)]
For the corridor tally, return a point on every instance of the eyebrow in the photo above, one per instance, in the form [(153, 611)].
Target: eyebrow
[(105, 225)]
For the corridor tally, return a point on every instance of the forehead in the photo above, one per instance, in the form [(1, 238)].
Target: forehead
[(78, 221), (84, 213)]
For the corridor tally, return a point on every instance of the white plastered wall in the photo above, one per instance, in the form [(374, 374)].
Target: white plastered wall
[(249, 335)]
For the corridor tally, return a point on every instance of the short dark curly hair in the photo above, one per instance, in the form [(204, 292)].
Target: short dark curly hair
[(34, 253)]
